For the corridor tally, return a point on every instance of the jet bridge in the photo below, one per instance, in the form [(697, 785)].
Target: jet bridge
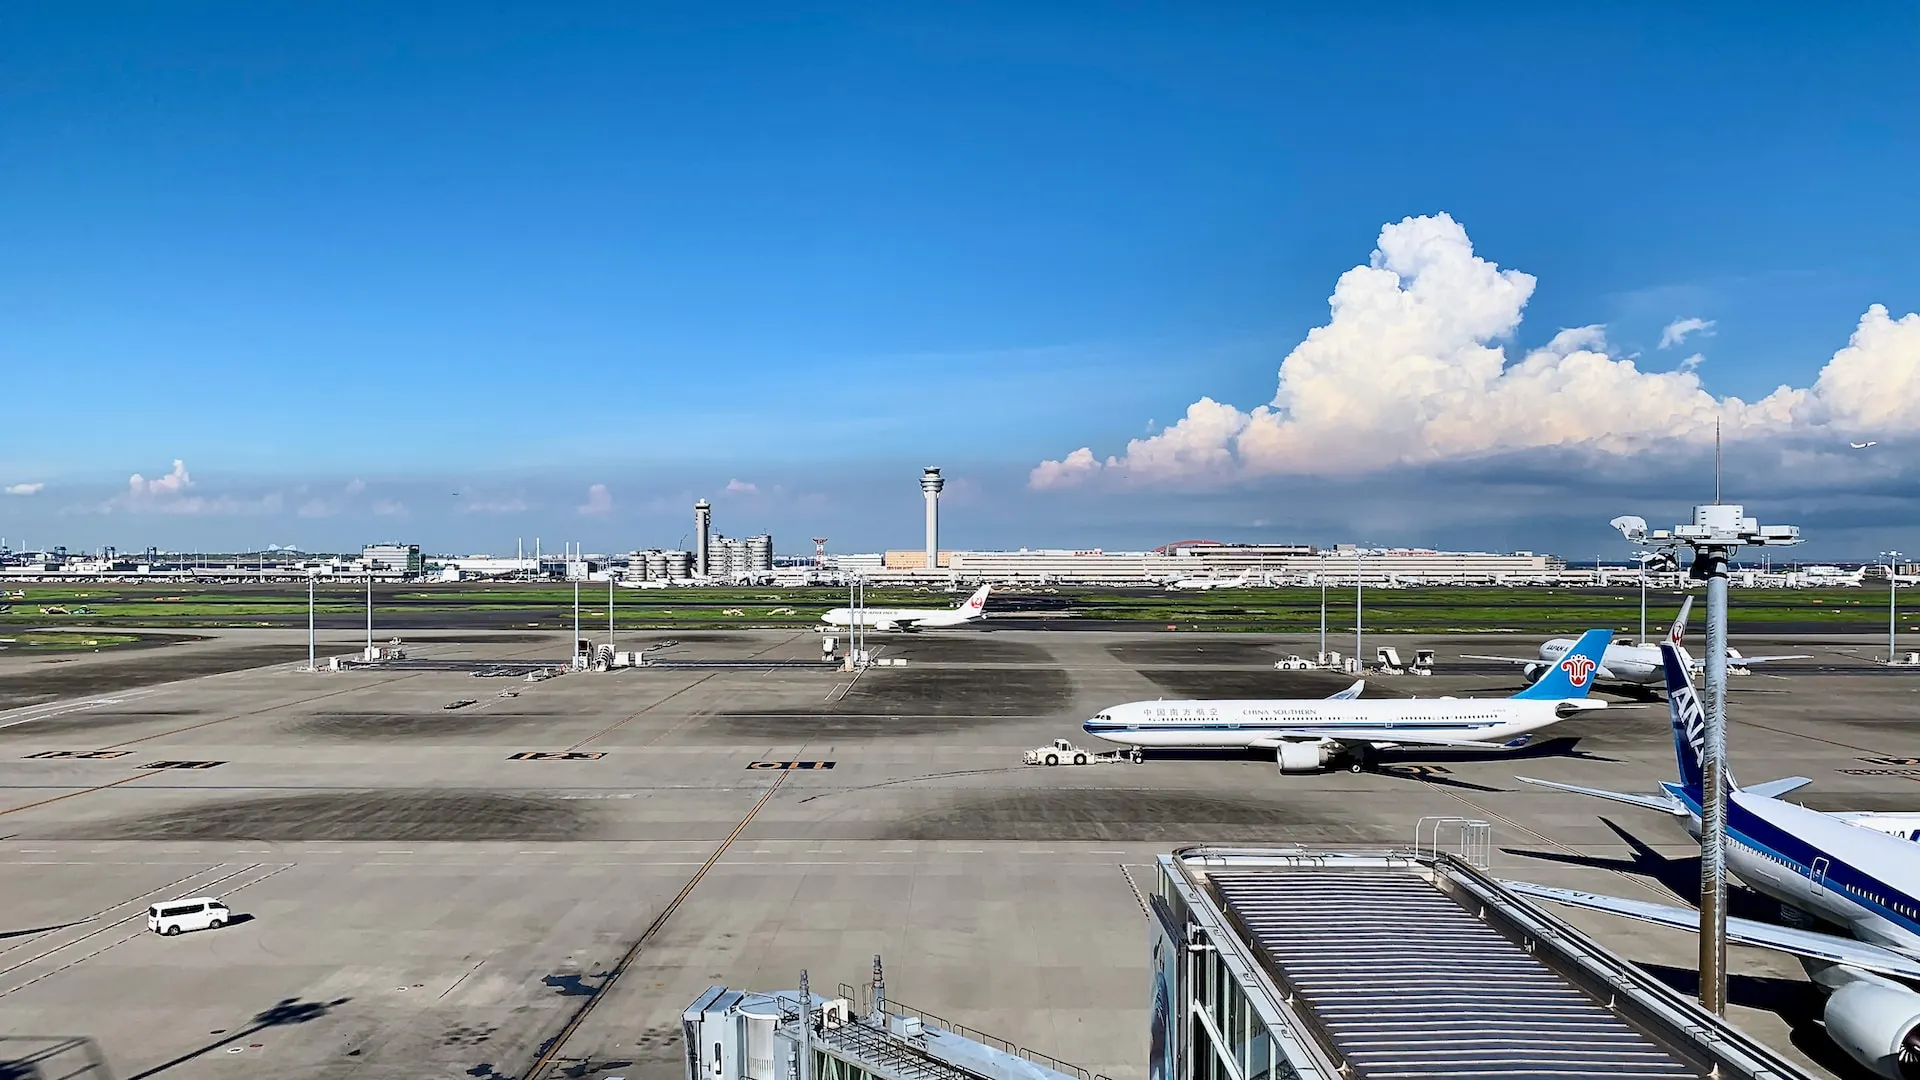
[(1272, 964)]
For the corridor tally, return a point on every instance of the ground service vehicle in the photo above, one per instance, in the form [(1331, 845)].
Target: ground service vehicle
[(188, 913)]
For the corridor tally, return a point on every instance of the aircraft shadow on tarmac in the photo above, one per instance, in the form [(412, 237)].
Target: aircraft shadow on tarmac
[(1798, 1003), (1391, 763), (283, 1013), (5, 934)]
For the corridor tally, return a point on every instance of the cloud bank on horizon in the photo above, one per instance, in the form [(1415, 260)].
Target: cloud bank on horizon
[(1410, 370)]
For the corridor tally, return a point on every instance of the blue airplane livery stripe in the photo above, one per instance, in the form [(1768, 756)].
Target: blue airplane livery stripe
[(1773, 842), (1095, 727)]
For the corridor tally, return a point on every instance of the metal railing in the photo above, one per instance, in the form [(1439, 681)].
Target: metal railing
[(52, 1057), (862, 999), (1470, 840)]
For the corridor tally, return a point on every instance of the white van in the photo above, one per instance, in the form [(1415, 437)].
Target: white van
[(188, 913)]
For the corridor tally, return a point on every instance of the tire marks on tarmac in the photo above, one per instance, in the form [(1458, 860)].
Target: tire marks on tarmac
[(28, 978)]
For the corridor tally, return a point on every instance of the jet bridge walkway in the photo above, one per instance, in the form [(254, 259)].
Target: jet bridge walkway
[(1390, 966)]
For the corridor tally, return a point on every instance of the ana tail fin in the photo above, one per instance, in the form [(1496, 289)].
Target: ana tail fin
[(1573, 676), (1689, 722)]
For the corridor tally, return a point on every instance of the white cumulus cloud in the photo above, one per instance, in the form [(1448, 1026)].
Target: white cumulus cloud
[(1679, 330), (24, 489), (498, 506), (742, 487), (1411, 369), (598, 500), (173, 483)]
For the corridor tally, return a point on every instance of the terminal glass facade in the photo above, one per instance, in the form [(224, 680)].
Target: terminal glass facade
[(1207, 1026)]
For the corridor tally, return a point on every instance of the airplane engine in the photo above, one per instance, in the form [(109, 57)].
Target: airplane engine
[(1303, 756), (1532, 672), (1877, 1022), (886, 626)]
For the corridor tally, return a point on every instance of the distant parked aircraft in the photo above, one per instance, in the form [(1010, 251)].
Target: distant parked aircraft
[(1636, 665), (877, 618)]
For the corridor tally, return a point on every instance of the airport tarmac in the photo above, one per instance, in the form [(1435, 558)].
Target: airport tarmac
[(434, 892)]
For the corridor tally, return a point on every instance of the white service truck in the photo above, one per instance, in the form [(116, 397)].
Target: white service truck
[(1063, 752)]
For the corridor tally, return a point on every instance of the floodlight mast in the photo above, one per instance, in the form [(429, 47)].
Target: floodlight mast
[(1715, 534)]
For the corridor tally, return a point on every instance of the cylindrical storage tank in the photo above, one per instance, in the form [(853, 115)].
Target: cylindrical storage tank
[(679, 564)]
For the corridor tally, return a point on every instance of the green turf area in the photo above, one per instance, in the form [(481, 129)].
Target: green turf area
[(58, 641), (507, 606)]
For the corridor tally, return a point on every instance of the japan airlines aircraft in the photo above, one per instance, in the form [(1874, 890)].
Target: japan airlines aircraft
[(877, 618), (1307, 734), (1204, 584), (1635, 665), (1859, 871)]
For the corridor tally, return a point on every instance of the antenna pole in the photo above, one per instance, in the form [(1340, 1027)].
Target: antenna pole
[(1716, 463)]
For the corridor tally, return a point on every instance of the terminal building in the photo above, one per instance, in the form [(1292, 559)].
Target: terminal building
[(1275, 564)]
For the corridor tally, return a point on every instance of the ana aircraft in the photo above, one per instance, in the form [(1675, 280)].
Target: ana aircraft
[(1635, 665), (1860, 871), (1307, 734), (876, 618)]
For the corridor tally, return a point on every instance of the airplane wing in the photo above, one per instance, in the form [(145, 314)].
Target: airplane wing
[(1773, 789), (1350, 692), (1372, 736), (1745, 660), (1647, 802), (1809, 943)]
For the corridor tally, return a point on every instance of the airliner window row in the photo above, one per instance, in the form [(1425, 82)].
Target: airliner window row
[(1907, 910)]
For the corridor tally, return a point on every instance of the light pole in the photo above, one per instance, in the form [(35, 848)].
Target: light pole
[(1322, 658), (1893, 609), (1359, 587), (576, 664), (609, 610), (311, 662), (1644, 558), (369, 653), (1715, 534)]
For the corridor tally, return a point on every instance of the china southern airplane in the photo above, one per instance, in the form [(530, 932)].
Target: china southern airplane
[(877, 618), (1635, 665), (1307, 734), (1859, 871)]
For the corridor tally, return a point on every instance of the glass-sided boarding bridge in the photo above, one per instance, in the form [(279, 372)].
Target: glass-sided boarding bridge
[(1293, 964), (1301, 965)]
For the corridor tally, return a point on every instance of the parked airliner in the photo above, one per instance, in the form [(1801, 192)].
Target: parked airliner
[(878, 618), (1860, 871), (1307, 734), (1635, 665)]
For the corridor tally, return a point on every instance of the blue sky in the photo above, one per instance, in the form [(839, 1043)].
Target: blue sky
[(511, 252)]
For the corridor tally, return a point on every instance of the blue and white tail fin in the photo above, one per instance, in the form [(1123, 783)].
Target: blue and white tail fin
[(1689, 722), (1573, 676)]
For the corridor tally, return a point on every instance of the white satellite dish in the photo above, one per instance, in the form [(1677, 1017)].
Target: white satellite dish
[(1632, 527)]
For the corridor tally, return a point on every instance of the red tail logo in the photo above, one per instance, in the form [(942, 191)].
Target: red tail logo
[(1579, 669)]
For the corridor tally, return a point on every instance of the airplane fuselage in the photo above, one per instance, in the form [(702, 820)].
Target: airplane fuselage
[(1850, 873), (1636, 664), (1250, 723), (901, 618)]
